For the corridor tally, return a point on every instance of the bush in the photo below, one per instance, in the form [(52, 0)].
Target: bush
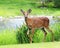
[(21, 35)]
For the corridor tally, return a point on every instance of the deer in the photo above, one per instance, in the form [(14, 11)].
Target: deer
[(36, 22)]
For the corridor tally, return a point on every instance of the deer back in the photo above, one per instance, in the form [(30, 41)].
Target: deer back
[(37, 22)]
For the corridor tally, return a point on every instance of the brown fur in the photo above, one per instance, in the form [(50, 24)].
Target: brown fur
[(37, 22)]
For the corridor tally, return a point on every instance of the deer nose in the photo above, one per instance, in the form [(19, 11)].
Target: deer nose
[(26, 15)]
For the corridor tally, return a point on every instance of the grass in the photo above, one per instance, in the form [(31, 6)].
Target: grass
[(12, 8), (8, 37), (34, 45), (56, 29), (11, 11)]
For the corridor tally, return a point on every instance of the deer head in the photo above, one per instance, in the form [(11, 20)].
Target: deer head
[(26, 13)]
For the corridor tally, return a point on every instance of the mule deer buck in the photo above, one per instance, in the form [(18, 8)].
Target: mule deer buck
[(36, 22)]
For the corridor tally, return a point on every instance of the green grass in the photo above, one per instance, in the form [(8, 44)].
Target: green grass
[(34, 45), (8, 37), (12, 8)]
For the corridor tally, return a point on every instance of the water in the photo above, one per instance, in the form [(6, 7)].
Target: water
[(8, 23)]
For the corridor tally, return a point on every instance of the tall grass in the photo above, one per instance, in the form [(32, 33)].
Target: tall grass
[(56, 29), (22, 35), (8, 37)]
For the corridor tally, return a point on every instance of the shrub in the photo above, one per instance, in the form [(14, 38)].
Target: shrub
[(21, 35)]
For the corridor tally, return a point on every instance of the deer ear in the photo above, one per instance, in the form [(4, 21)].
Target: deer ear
[(29, 11), (22, 11)]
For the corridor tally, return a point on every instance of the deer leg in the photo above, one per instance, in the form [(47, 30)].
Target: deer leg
[(45, 33), (51, 33), (28, 32), (30, 39), (32, 31), (31, 35)]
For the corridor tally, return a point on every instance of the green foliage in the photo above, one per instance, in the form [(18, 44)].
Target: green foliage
[(56, 29), (57, 3), (12, 8), (22, 35)]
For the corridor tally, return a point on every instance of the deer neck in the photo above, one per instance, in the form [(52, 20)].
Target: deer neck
[(26, 19)]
